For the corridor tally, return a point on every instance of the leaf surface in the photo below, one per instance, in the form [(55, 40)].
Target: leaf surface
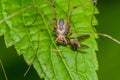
[(28, 25)]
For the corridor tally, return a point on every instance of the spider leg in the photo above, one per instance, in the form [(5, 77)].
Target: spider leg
[(3, 70), (41, 30), (69, 34), (70, 12), (46, 26), (36, 51), (109, 37), (101, 34), (94, 4), (68, 19), (36, 17), (54, 9)]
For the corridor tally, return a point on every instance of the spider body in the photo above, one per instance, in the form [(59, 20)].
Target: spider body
[(62, 26), (61, 29)]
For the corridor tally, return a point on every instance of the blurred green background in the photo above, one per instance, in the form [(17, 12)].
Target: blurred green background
[(108, 54)]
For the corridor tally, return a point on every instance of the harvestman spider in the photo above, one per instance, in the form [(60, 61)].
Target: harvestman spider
[(62, 26)]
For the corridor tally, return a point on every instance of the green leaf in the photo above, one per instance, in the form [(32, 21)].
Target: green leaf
[(24, 25)]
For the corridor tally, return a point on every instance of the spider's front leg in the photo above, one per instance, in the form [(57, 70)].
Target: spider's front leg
[(6, 78)]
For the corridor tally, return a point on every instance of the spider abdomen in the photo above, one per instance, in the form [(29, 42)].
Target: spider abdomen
[(61, 31), (61, 28)]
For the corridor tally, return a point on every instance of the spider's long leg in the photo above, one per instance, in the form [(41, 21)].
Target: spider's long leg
[(37, 13), (36, 7), (68, 19), (54, 9), (30, 65), (101, 34), (104, 35), (3, 70), (94, 4), (36, 52), (46, 25), (110, 37), (70, 12)]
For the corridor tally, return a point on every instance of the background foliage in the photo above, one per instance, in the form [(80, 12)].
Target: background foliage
[(108, 60)]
